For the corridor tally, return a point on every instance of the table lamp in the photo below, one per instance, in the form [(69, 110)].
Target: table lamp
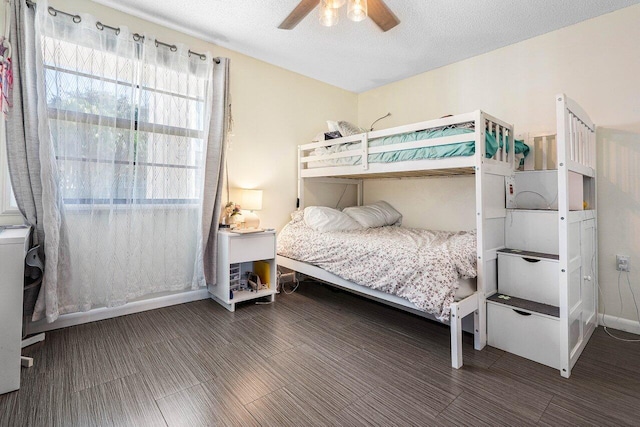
[(251, 200)]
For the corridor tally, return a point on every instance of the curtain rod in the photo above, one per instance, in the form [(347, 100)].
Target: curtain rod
[(136, 37)]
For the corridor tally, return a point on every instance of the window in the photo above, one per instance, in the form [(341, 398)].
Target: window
[(125, 131)]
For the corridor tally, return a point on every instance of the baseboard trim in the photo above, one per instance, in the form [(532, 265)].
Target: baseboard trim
[(73, 319), (631, 326)]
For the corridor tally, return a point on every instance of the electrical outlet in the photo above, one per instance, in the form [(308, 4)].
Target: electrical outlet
[(622, 263)]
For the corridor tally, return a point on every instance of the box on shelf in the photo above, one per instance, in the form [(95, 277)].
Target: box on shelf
[(263, 270)]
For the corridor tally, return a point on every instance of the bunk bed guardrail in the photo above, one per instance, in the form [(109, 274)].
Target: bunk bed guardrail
[(580, 138), (341, 148), (579, 142)]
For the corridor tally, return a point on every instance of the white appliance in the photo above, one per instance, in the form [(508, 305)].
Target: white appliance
[(539, 190), (14, 243)]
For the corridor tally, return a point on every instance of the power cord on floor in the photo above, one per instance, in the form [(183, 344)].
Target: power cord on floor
[(284, 278), (295, 288), (604, 308)]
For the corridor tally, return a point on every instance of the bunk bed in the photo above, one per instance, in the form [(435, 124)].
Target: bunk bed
[(484, 148), (481, 145)]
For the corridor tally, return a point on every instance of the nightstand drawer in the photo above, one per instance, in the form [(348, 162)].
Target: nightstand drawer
[(252, 247)]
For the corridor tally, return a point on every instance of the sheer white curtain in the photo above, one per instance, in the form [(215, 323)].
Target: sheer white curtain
[(128, 120)]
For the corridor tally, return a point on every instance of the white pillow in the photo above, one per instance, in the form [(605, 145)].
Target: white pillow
[(378, 214), (325, 219), (348, 129)]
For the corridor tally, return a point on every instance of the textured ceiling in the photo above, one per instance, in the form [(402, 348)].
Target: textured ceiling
[(357, 56)]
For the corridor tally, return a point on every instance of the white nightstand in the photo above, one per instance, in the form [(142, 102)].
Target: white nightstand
[(236, 256)]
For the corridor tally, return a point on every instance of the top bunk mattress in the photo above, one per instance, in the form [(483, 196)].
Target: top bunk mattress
[(424, 267), (460, 149)]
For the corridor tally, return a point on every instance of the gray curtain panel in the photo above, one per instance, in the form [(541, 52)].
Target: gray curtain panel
[(32, 163), (22, 121), (214, 167)]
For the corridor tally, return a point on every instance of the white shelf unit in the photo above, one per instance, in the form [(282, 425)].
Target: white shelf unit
[(552, 311), (236, 256)]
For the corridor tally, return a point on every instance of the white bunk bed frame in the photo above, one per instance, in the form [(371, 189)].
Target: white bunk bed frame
[(489, 204), (576, 139), (576, 148)]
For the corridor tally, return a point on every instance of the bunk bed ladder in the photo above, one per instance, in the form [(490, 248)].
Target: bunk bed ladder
[(480, 316)]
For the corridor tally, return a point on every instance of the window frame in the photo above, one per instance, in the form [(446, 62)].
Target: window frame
[(79, 204)]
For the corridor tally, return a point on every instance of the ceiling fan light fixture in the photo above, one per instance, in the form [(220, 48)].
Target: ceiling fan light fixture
[(335, 4), (357, 10), (328, 15)]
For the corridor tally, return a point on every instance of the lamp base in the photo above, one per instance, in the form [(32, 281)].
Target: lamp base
[(251, 220)]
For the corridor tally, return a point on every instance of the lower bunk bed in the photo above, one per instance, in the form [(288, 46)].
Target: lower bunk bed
[(475, 144), (431, 274)]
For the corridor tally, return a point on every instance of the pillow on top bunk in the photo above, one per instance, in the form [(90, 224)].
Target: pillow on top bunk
[(348, 129), (345, 128), (378, 214), (324, 219)]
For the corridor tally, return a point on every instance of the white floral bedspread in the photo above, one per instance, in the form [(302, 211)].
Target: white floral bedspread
[(421, 266)]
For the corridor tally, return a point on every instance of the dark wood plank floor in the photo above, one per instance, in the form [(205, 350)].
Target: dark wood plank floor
[(317, 357)]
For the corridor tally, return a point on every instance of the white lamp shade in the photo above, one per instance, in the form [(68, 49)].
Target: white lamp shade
[(251, 200)]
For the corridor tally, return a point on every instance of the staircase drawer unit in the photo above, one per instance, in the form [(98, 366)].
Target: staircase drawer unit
[(532, 230), (546, 305), (524, 332), (529, 275)]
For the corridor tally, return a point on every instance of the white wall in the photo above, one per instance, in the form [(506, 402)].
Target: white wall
[(433, 203), (596, 62)]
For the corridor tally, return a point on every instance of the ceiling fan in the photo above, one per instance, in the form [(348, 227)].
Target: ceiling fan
[(357, 10)]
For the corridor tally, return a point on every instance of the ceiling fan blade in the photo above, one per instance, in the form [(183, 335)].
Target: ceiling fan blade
[(380, 13), (302, 9)]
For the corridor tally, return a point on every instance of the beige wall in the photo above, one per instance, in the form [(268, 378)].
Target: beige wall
[(596, 62), (274, 110)]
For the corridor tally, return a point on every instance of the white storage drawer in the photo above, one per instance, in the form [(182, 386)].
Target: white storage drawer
[(529, 275), (535, 231), (530, 335), (252, 247)]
